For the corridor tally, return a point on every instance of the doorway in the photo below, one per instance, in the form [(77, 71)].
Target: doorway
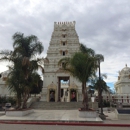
[(63, 84)]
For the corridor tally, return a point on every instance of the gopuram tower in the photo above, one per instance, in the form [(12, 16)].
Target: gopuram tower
[(59, 86)]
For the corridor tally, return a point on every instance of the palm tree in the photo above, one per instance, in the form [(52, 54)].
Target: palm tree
[(100, 85), (25, 63), (98, 59), (96, 85), (14, 82), (28, 47), (82, 65), (15, 73)]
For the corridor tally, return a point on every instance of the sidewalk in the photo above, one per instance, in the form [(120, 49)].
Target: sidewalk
[(63, 117)]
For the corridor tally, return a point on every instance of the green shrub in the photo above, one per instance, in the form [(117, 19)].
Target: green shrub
[(11, 100), (106, 103), (5, 99)]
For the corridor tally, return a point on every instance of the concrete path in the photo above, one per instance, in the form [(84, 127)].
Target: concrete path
[(63, 117), (52, 115)]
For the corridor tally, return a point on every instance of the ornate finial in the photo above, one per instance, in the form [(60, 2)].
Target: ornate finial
[(126, 65)]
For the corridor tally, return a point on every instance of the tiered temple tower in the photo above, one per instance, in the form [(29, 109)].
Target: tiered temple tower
[(64, 43)]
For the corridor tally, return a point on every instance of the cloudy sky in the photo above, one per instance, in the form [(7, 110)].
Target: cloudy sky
[(103, 25)]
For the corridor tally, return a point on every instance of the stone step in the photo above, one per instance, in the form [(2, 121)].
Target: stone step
[(56, 105)]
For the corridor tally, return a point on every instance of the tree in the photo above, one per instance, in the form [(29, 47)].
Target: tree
[(37, 87), (100, 85), (103, 86), (15, 80), (25, 64), (15, 75), (82, 65), (98, 59), (28, 48)]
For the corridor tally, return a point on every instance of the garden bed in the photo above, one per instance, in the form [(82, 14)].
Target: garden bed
[(87, 113)]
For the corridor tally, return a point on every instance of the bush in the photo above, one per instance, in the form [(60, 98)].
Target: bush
[(105, 104), (11, 100), (5, 99)]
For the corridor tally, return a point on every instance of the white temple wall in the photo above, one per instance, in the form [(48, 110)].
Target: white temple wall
[(125, 89), (49, 78), (4, 91)]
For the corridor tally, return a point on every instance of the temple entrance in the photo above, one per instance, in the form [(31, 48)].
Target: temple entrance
[(63, 85)]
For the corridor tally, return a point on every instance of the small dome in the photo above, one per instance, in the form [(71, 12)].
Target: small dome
[(125, 70)]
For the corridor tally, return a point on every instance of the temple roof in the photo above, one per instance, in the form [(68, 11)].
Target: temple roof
[(125, 70)]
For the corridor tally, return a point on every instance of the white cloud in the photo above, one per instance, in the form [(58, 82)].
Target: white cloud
[(102, 25)]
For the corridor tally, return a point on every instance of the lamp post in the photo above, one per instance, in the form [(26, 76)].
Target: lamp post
[(102, 116)]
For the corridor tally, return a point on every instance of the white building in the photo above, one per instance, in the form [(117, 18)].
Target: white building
[(4, 91), (64, 43), (122, 86)]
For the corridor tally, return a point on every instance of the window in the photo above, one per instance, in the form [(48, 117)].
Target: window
[(63, 53), (63, 35), (63, 43)]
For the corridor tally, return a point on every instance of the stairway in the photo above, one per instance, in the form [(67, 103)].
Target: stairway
[(56, 105)]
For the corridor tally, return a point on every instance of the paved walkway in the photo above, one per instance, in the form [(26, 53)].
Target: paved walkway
[(63, 117)]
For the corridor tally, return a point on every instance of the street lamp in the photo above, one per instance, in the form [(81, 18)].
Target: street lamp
[(102, 116)]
